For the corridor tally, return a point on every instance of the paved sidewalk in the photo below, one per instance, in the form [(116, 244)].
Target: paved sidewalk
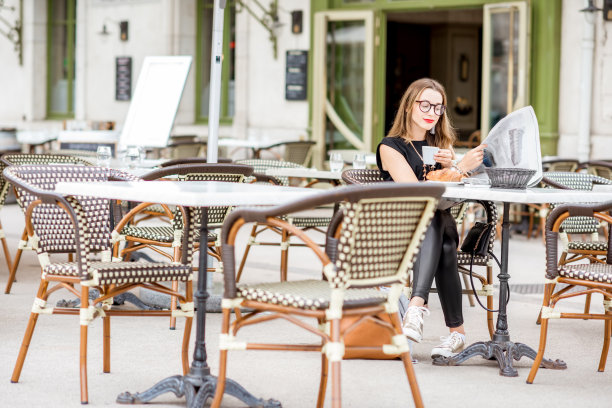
[(144, 351)]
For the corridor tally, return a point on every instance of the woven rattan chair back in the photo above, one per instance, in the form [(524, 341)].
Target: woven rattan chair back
[(261, 165), (380, 237), (575, 181), (13, 159), (569, 165), (53, 227), (298, 152), (231, 173), (600, 168), (362, 176)]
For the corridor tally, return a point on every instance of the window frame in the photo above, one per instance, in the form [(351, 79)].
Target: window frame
[(70, 24)]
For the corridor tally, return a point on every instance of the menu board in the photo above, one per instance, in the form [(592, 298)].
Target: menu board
[(296, 75), (123, 78)]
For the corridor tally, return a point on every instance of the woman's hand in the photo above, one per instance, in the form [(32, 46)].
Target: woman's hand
[(472, 159), (444, 157)]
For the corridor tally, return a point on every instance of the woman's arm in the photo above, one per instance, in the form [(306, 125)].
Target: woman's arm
[(396, 165), (472, 159)]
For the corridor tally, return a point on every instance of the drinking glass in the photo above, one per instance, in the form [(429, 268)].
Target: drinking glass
[(103, 156), (335, 162), (359, 161), (133, 156)]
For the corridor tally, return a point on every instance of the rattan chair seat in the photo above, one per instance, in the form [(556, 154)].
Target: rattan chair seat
[(124, 272), (596, 272), (158, 233), (308, 294), (588, 245)]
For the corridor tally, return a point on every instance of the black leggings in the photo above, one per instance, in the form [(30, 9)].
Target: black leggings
[(438, 259)]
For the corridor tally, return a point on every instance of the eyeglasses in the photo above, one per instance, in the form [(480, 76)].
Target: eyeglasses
[(425, 106)]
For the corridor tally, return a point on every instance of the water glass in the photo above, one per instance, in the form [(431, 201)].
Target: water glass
[(132, 156), (359, 161), (336, 163), (103, 156)]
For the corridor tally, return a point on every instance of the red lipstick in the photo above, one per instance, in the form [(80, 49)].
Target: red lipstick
[(429, 120)]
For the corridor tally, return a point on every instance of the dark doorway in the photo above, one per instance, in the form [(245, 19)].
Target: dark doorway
[(444, 45)]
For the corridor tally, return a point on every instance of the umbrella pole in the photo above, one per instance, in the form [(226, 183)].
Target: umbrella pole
[(214, 98)]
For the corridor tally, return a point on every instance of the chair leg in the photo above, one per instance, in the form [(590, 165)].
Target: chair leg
[(490, 322), (83, 348), (606, 345), (323, 382), (466, 283), (175, 286), (336, 388), (548, 290), (222, 363), (106, 344), (25, 343), (408, 367), (15, 264), (587, 304), (285, 237), (246, 253), (7, 254), (187, 332)]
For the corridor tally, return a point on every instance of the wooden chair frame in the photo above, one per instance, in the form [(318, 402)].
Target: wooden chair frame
[(86, 276), (551, 298), (332, 347)]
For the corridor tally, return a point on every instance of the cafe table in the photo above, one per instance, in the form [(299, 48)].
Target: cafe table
[(500, 347), (198, 385)]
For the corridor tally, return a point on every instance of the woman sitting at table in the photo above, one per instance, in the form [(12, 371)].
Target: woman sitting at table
[(421, 120)]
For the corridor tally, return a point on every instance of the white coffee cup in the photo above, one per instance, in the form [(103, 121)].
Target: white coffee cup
[(428, 154)]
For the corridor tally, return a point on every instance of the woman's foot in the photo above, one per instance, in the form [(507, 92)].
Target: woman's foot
[(450, 346), (412, 326)]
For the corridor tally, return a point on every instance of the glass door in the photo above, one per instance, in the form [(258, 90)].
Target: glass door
[(342, 100), (505, 61)]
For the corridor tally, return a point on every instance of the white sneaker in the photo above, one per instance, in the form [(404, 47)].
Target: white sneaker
[(412, 326), (450, 346)]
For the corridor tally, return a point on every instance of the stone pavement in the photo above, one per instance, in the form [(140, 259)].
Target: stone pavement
[(144, 351)]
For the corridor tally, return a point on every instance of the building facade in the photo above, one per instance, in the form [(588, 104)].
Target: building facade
[(492, 56)]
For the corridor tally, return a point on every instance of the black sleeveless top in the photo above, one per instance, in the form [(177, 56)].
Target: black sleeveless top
[(404, 148)]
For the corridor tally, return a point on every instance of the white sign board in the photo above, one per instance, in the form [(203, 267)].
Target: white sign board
[(155, 101)]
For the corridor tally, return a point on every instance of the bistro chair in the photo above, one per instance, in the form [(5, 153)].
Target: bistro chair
[(165, 239), (18, 159), (375, 238), (571, 231), (191, 160), (599, 168), (566, 165), (371, 176), (81, 225), (299, 151), (588, 279), (303, 222)]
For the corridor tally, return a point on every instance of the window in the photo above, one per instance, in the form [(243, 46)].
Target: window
[(203, 53), (61, 25)]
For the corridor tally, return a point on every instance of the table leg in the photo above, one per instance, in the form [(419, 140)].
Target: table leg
[(501, 348), (198, 385)]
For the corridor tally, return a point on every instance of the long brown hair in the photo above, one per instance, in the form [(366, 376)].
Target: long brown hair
[(444, 133)]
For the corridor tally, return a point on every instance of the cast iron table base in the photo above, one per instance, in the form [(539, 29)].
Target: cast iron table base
[(501, 348), (199, 385)]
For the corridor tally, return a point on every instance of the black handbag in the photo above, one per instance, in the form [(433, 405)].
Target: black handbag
[(475, 243), (477, 239)]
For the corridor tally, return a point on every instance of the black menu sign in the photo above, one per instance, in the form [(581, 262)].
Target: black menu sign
[(296, 75), (123, 78)]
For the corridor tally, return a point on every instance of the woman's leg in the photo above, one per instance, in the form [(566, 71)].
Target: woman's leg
[(424, 270)]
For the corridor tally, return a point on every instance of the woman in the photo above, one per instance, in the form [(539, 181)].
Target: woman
[(421, 120)]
